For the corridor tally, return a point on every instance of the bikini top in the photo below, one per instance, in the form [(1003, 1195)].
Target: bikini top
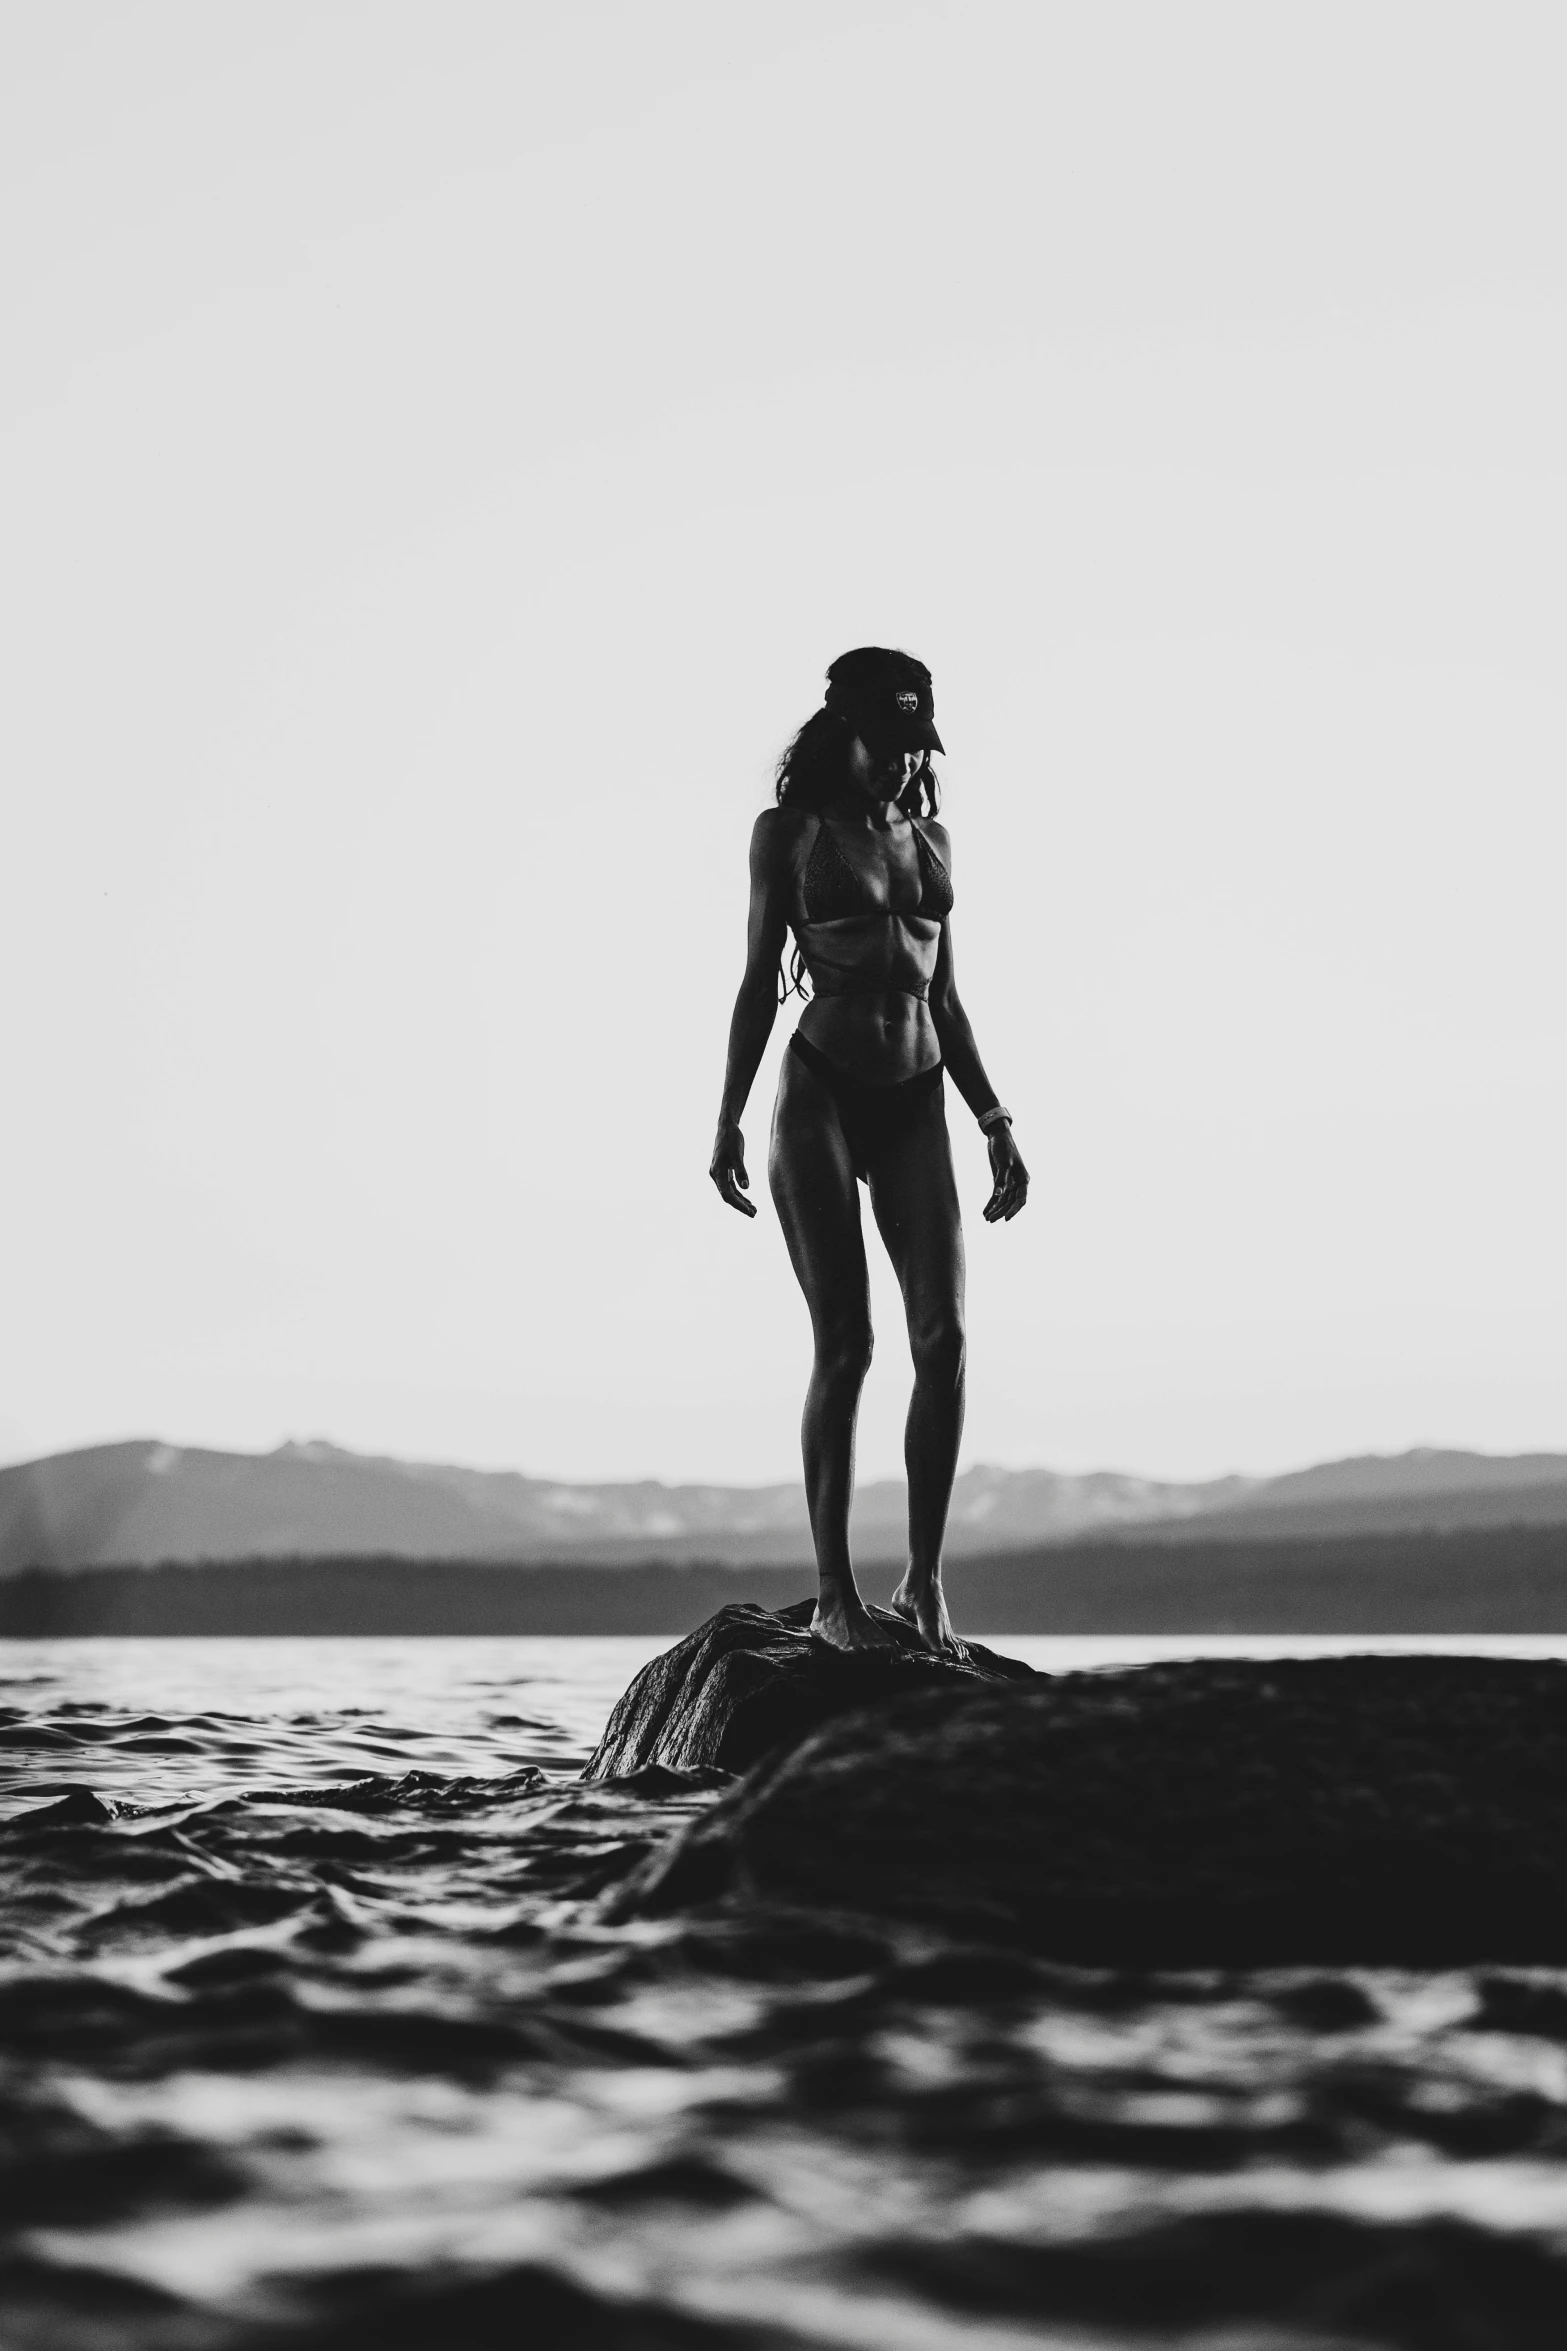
[(831, 890)]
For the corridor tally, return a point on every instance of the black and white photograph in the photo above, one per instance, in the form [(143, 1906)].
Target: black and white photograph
[(783, 1335)]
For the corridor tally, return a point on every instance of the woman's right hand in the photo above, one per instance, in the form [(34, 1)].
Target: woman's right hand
[(728, 1169)]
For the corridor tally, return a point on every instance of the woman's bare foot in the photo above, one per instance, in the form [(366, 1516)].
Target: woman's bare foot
[(844, 1622), (924, 1604)]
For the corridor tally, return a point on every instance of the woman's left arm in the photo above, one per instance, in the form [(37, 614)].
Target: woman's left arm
[(967, 1071)]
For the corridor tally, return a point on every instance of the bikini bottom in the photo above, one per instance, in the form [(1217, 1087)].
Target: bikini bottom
[(872, 1117)]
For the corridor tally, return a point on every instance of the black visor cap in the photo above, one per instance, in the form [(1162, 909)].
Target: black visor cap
[(886, 697), (897, 722)]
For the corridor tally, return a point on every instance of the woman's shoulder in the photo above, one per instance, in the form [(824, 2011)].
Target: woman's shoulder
[(785, 824), (937, 835), (776, 835)]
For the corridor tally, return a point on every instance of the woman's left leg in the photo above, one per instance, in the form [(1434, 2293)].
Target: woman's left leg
[(914, 1195)]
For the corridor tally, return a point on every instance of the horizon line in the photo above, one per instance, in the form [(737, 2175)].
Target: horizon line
[(411, 1461)]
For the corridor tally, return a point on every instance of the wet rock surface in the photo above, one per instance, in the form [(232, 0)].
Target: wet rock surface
[(751, 1679), (1394, 1810)]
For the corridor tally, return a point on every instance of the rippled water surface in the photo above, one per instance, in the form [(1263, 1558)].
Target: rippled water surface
[(311, 2032)]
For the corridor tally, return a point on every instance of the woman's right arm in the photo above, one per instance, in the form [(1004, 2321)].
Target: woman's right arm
[(756, 1005)]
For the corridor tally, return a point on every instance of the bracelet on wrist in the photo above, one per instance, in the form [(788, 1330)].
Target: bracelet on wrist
[(994, 1118)]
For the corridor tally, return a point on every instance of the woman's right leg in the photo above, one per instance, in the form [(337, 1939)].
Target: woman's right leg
[(812, 1181)]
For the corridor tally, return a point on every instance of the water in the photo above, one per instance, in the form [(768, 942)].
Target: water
[(312, 2033)]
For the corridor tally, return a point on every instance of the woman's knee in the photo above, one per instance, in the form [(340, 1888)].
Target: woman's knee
[(939, 1346), (843, 1350)]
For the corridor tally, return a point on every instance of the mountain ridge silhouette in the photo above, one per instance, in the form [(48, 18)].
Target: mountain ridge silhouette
[(144, 1501)]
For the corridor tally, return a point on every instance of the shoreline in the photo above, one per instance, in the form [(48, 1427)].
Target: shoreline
[(1475, 1583)]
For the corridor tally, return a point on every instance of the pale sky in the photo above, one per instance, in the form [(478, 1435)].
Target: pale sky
[(441, 449)]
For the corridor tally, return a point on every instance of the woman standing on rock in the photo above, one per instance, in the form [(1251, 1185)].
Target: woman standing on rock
[(852, 860)]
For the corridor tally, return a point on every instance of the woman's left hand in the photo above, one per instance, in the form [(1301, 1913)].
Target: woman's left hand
[(1006, 1165)]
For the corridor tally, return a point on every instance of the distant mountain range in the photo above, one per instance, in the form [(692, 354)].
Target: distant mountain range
[(143, 1502)]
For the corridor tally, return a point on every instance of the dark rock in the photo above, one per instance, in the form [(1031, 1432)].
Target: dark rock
[(78, 1808), (750, 1680), (1402, 1810)]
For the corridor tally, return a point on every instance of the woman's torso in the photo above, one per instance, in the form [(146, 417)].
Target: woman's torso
[(867, 908)]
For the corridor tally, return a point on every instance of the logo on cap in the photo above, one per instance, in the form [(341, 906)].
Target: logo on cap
[(909, 702)]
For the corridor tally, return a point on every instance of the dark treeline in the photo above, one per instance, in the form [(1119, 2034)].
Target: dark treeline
[(383, 1595), (1508, 1580)]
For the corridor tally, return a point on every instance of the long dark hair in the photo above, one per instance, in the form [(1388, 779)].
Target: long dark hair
[(812, 771)]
